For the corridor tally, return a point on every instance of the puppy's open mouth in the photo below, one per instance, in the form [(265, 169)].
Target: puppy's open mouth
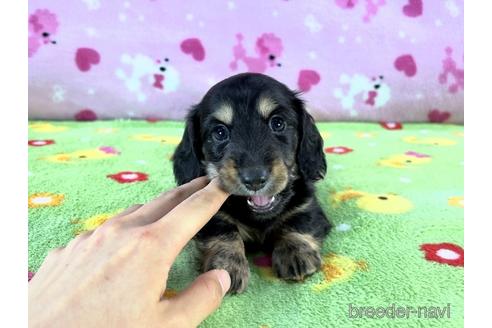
[(261, 203)]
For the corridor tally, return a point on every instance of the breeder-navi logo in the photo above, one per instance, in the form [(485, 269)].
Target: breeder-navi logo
[(399, 312)]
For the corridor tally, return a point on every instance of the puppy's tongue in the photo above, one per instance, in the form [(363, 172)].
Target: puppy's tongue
[(261, 201)]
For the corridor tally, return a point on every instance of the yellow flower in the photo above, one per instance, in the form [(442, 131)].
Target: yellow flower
[(44, 199), (384, 203), (94, 221), (365, 135), (172, 140), (46, 127), (432, 141), (338, 268), (457, 201), (376, 203), (79, 155), (106, 130), (402, 161)]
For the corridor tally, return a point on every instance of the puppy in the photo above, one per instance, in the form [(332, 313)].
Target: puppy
[(255, 135)]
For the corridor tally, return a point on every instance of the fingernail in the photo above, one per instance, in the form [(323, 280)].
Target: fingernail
[(224, 280)]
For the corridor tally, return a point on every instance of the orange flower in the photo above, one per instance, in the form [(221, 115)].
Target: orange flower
[(44, 199), (457, 201)]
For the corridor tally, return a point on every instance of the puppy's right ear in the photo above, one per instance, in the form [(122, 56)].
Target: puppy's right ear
[(188, 156)]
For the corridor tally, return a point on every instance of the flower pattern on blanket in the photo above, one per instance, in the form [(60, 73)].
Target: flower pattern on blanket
[(390, 221), (457, 201), (46, 127), (83, 155), (406, 160), (263, 265), (384, 203), (45, 199), (430, 141), (338, 268), (172, 140), (444, 253), (93, 222)]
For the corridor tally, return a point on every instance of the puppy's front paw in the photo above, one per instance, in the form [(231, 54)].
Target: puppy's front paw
[(236, 265), (295, 259)]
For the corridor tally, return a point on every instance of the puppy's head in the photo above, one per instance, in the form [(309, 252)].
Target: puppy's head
[(255, 135)]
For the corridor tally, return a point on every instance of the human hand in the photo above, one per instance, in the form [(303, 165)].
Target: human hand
[(115, 276)]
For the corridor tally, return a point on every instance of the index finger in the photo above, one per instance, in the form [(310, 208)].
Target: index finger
[(160, 206), (186, 219)]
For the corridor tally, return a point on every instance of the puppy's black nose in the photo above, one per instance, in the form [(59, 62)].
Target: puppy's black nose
[(254, 178)]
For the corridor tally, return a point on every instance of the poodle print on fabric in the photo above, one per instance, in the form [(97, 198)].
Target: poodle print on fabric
[(451, 76), (43, 25), (351, 60), (371, 7), (143, 74), (268, 49), (359, 91)]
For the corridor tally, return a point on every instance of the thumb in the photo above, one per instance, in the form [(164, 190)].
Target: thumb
[(203, 296)]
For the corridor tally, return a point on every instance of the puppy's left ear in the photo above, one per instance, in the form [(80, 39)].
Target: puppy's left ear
[(187, 157), (310, 156)]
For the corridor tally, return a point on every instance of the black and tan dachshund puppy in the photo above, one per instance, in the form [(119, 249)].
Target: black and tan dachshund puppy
[(255, 135)]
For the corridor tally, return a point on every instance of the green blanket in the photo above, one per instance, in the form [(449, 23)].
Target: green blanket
[(394, 195)]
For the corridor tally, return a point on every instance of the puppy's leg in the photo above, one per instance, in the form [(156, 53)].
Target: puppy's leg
[(297, 244), (221, 247)]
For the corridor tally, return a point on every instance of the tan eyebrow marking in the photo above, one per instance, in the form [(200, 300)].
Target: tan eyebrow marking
[(266, 106), (224, 113)]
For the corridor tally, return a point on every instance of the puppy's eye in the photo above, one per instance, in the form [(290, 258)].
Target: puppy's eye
[(220, 133), (277, 124)]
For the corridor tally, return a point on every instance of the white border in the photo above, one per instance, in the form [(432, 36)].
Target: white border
[(478, 108), (478, 161), (13, 159)]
